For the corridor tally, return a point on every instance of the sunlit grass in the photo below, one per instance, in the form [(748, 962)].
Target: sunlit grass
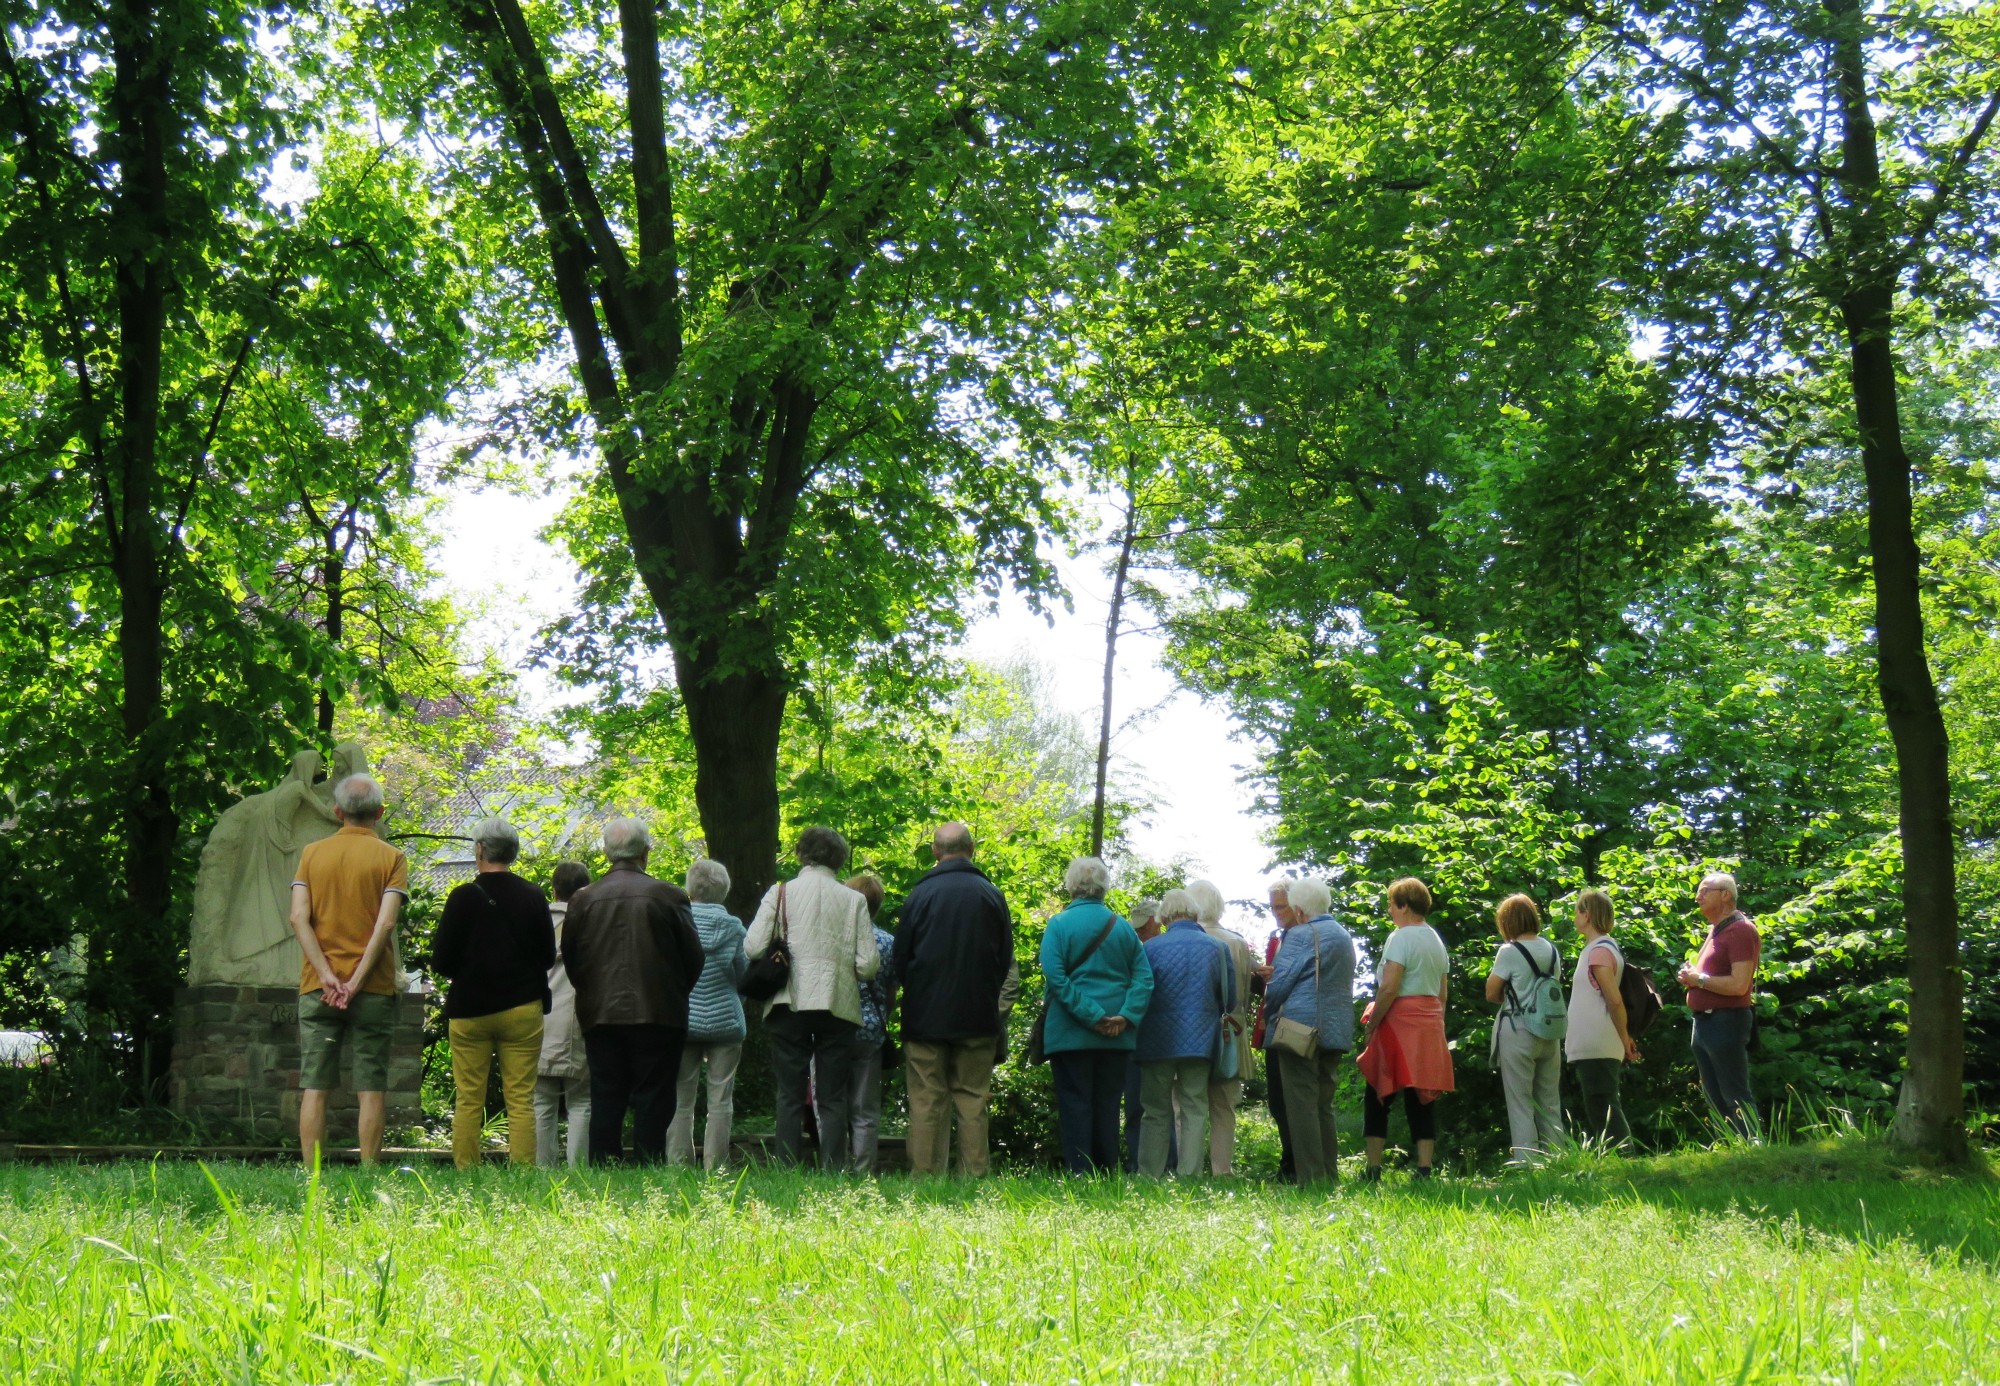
[(1818, 1264)]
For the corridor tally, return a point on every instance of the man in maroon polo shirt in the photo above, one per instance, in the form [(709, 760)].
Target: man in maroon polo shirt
[(1719, 985)]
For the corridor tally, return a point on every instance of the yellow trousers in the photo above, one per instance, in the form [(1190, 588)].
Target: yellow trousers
[(516, 1036)]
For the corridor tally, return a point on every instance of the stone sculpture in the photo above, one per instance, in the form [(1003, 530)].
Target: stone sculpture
[(242, 932)]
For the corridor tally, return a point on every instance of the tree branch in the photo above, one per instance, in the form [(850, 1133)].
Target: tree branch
[(533, 79), (1947, 182), (656, 286)]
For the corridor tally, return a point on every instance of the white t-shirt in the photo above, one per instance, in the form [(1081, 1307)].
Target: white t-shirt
[(1421, 951), (1509, 963), (1591, 1033)]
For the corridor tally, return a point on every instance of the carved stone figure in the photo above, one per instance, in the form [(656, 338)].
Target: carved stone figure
[(242, 933)]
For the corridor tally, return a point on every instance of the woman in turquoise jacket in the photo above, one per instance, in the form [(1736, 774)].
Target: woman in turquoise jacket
[(1098, 984)]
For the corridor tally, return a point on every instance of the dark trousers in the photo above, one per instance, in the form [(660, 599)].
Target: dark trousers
[(1089, 1084), (1274, 1094), (632, 1066), (1601, 1117), (1375, 1115), (1133, 1114), (805, 1044), (1722, 1057)]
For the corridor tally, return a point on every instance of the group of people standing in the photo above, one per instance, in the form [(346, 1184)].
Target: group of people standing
[(627, 996)]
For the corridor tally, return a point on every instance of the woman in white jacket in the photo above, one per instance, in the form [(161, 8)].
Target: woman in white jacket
[(811, 1020)]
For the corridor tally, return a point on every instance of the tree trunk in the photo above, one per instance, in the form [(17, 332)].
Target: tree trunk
[(1930, 1114), (735, 722), (147, 952), (1110, 669)]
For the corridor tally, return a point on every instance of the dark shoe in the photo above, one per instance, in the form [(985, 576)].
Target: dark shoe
[(1372, 1176), (1422, 1172)]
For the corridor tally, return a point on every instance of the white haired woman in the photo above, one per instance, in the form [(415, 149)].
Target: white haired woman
[(496, 942), (1309, 1024), (1191, 990), (1098, 985), (716, 1028), (1225, 1095)]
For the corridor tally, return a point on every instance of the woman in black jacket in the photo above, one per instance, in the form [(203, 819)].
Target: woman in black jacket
[(496, 943)]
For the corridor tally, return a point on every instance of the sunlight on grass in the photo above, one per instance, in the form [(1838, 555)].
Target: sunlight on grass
[(1696, 1269)]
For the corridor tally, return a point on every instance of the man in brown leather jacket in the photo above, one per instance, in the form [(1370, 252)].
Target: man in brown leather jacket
[(632, 953)]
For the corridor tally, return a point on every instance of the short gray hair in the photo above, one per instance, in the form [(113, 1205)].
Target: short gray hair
[(1145, 908), (359, 797), (627, 840), (1718, 880), (1177, 904), (707, 881), (498, 837), (1310, 895), (1087, 879), (1284, 886), (1207, 901)]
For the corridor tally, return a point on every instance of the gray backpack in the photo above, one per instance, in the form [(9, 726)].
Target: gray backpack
[(1541, 1009)]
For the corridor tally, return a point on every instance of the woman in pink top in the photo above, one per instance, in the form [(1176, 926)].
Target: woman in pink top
[(1598, 1045)]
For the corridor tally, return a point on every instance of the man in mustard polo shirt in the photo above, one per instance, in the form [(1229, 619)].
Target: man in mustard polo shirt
[(349, 889)]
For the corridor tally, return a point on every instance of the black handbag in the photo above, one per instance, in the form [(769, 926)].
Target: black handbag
[(768, 975)]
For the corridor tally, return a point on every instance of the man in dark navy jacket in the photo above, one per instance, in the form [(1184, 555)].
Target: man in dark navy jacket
[(955, 961)]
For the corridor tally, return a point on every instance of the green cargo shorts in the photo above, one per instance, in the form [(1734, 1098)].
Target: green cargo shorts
[(369, 1020)]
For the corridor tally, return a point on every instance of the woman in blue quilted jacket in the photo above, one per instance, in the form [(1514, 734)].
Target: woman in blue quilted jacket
[(1191, 990)]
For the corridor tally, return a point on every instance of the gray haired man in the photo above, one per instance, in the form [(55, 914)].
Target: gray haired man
[(632, 953), (345, 899)]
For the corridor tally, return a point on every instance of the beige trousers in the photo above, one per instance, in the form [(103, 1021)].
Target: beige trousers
[(947, 1078), (1224, 1097)]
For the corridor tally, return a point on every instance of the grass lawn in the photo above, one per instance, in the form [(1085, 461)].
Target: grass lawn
[(1826, 1263)]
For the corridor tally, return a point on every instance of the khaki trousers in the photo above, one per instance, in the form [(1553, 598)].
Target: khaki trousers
[(946, 1077), (1225, 1095), (516, 1036), (1173, 1098)]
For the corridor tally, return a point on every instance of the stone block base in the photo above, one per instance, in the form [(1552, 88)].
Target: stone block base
[(236, 1063)]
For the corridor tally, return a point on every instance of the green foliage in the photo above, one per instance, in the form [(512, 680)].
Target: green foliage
[(227, 317)]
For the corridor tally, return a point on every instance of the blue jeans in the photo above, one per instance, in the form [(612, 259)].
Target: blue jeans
[(1722, 1057), (1089, 1085)]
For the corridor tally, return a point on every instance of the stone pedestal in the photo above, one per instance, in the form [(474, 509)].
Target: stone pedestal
[(236, 1063)]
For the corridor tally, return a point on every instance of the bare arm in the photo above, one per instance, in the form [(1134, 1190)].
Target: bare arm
[(1738, 983), (1388, 987), (1496, 987), (1605, 976), (330, 988)]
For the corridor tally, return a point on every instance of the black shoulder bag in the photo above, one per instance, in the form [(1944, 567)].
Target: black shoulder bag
[(768, 975)]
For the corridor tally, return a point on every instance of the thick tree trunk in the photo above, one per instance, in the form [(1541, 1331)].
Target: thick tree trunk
[(735, 722), (146, 969), (1930, 1114)]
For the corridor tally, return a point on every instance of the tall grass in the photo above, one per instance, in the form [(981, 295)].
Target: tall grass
[(1749, 1266)]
